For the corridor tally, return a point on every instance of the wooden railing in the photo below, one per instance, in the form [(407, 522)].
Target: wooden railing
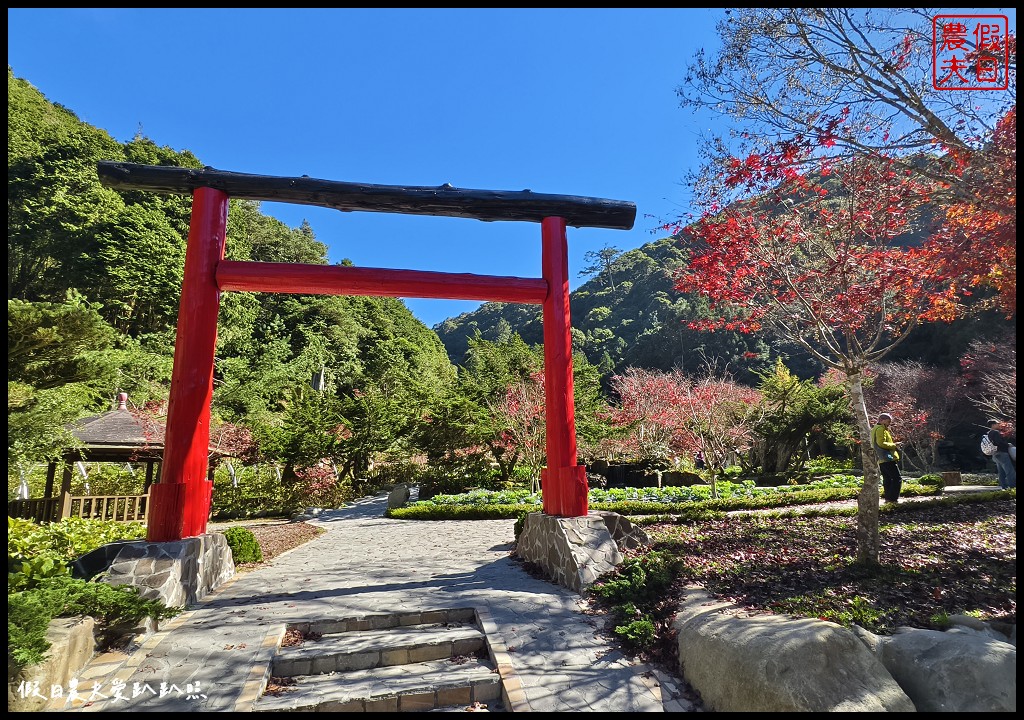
[(121, 508), (38, 509)]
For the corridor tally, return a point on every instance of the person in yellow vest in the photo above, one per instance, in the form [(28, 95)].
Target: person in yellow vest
[(888, 454)]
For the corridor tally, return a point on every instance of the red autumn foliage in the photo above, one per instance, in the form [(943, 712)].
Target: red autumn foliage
[(816, 257), (669, 413), (520, 416), (978, 242)]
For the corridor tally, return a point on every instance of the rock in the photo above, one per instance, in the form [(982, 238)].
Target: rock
[(72, 645), (680, 478), (961, 670), (775, 663), (770, 663), (398, 497), (1004, 632)]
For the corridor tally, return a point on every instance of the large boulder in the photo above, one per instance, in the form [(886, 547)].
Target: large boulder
[(961, 670), (773, 663), (680, 478), (399, 496)]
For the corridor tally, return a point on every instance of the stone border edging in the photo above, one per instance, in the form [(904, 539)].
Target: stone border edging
[(259, 673), (512, 693)]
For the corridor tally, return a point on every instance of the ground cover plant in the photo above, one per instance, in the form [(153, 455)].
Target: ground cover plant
[(36, 551), (116, 610), (40, 588), (643, 501)]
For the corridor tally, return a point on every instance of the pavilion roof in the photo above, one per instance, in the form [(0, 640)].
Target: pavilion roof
[(117, 435)]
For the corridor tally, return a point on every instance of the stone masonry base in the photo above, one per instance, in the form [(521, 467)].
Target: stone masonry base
[(575, 551), (179, 573)]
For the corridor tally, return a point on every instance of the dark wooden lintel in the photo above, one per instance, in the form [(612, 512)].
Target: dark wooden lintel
[(443, 200)]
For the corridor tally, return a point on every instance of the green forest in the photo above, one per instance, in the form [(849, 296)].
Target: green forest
[(94, 278)]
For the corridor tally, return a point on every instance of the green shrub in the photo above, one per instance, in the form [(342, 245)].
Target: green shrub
[(258, 492), (417, 511), (27, 619), (931, 480), (38, 551), (244, 547), (115, 609), (639, 634), (979, 479), (519, 496), (387, 475), (681, 504), (520, 524), (825, 465), (31, 571), (639, 580), (437, 482)]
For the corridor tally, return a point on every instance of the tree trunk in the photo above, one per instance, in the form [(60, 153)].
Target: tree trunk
[(867, 500), (933, 448), (504, 468)]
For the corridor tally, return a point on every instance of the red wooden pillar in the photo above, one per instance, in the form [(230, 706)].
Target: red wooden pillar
[(564, 482), (180, 502)]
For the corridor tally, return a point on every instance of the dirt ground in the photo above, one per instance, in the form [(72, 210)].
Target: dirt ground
[(274, 536)]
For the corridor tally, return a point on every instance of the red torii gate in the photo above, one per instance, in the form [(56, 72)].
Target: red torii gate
[(180, 502)]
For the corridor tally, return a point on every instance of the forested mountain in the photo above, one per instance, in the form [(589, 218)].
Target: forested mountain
[(94, 278), (627, 315)]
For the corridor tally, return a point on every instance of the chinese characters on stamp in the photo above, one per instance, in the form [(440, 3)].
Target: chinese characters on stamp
[(970, 52)]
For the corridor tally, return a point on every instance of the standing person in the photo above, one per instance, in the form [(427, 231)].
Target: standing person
[(887, 452), (1001, 435)]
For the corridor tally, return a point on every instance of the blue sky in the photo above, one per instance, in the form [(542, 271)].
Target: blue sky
[(561, 101), (573, 102)]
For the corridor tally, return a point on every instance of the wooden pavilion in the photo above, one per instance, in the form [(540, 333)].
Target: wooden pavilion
[(118, 436)]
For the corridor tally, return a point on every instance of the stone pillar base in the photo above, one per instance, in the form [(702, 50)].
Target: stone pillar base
[(575, 551), (179, 573)]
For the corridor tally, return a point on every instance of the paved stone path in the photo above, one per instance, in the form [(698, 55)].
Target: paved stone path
[(366, 563)]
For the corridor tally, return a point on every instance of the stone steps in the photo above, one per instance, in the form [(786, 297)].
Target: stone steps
[(412, 661)]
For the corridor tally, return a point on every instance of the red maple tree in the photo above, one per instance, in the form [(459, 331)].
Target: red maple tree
[(835, 256), (721, 416), (670, 413), (519, 418), (649, 412), (978, 241), (925, 403)]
